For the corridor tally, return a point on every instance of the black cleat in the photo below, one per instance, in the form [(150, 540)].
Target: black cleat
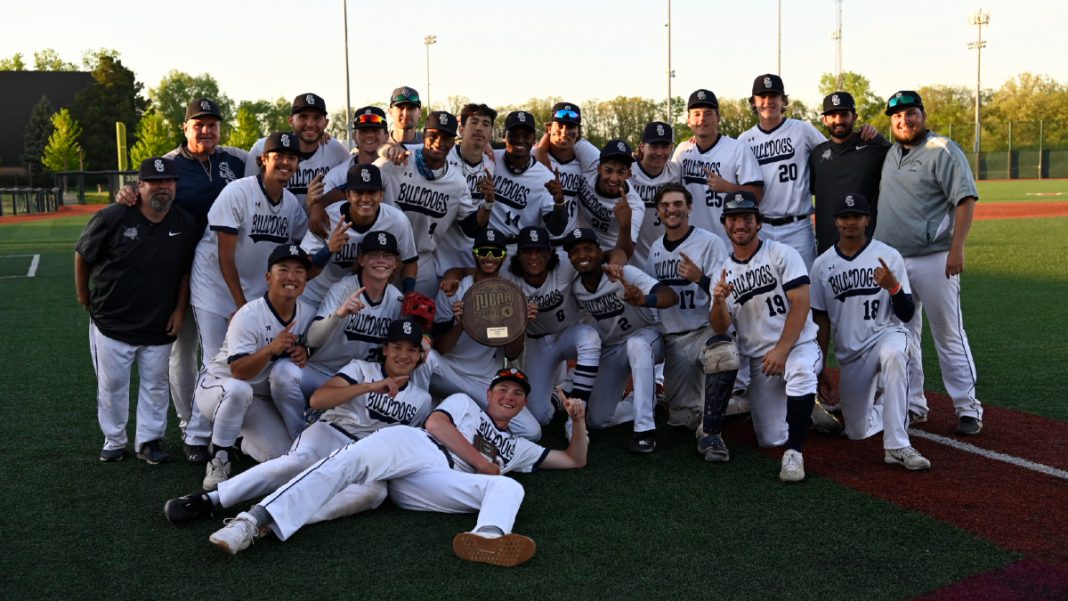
[(152, 453), (643, 442), (188, 508), (196, 454)]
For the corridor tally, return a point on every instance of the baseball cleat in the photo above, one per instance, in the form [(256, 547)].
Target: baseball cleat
[(908, 457), (218, 470), (738, 403), (793, 466), (197, 454), (506, 551), (180, 510), (969, 426), (112, 455), (825, 422), (237, 535), (152, 453), (916, 418), (642, 442), (714, 449)]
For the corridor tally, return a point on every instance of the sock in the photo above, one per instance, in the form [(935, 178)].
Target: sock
[(585, 376), (490, 532), (213, 497), (798, 419), (259, 515)]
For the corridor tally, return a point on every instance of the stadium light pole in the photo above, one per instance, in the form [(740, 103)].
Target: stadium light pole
[(427, 41), (978, 18), (348, 100), (670, 73), (778, 61)]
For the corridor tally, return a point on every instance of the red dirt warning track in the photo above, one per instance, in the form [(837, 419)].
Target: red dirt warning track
[(1019, 210)]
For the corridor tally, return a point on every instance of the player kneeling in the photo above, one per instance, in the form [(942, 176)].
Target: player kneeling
[(856, 291), (452, 466)]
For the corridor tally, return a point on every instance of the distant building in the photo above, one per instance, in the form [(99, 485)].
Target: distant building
[(22, 90)]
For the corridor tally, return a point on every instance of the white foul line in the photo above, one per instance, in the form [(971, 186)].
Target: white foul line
[(1010, 459), (33, 266), (31, 272)]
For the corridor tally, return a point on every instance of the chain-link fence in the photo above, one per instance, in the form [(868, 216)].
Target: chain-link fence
[(1015, 150)]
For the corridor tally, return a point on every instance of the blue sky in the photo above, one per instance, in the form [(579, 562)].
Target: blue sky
[(505, 52)]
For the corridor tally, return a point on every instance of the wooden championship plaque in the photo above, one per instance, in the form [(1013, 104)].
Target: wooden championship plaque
[(495, 312)]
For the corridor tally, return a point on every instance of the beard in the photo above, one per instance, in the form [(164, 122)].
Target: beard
[(910, 139), (161, 202)]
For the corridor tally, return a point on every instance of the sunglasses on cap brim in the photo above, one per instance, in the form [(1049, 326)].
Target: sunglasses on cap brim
[(490, 251), (903, 101), (370, 119), (565, 114)]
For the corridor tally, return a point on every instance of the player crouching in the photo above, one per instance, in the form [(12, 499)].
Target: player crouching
[(452, 466), (856, 290)]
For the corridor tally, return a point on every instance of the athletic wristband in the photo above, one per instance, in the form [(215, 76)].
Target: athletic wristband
[(705, 283), (322, 257), (650, 301), (896, 289), (408, 285)]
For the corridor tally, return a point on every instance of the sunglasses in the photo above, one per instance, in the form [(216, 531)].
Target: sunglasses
[(512, 373), (743, 203), (903, 101), (490, 251), (413, 98), (370, 119), (566, 114)]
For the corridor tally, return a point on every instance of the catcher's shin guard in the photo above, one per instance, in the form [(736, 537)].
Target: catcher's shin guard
[(720, 361)]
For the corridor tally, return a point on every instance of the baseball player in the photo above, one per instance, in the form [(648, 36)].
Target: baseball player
[(926, 201), (455, 465), (431, 195), (525, 193), (856, 291), (712, 164), (604, 197), (472, 157), (653, 169), (309, 120), (248, 221), (137, 259), (763, 290), (404, 107), (361, 398), (355, 313), (679, 260), (260, 358), (619, 300), (466, 365), (350, 220), (566, 153)]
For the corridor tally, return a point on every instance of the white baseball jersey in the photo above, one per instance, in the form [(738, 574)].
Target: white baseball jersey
[(521, 200), (707, 251), (782, 154), (325, 157), (243, 209), (362, 334), (338, 175), (373, 411), (598, 212), (728, 158), (470, 356), (508, 451), (758, 304), (859, 309), (572, 173), (614, 318), (432, 206), (557, 308), (646, 186), (253, 327), (454, 248), (389, 219)]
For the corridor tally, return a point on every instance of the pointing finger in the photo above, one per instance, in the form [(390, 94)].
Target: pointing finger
[(686, 258), (883, 263)]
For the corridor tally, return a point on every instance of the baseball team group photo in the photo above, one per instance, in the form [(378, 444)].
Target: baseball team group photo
[(681, 344)]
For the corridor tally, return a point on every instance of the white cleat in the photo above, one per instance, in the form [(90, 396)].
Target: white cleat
[(237, 535), (793, 467), (908, 457), (216, 471)]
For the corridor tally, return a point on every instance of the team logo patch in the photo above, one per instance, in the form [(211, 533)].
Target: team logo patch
[(578, 234), (205, 105), (309, 99), (285, 140), (660, 130), (130, 232), (365, 175), (443, 119), (491, 236), (522, 117), (701, 95), (849, 201), (835, 100), (622, 147), (767, 82), (407, 327), (382, 239), (293, 250), (158, 164), (533, 235), (567, 107), (826, 154)]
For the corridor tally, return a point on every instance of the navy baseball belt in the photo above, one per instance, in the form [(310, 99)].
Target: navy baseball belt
[(783, 220)]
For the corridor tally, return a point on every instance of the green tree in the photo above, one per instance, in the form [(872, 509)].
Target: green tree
[(153, 139), (63, 152), (15, 63), (248, 130), (114, 95), (735, 117), (950, 112), (49, 60), (1024, 101), (869, 106), (175, 91), (625, 117), (35, 138)]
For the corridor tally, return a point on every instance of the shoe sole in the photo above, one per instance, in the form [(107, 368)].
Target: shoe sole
[(151, 461), (224, 546), (506, 551), (791, 479), (716, 457), (112, 459), (970, 432), (893, 461)]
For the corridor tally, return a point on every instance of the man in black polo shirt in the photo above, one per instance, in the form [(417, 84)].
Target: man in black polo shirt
[(843, 164), (137, 260)]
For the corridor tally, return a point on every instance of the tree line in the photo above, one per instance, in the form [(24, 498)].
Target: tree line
[(1025, 112)]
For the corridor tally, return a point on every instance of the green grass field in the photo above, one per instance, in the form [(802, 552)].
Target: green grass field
[(1024, 190), (661, 526)]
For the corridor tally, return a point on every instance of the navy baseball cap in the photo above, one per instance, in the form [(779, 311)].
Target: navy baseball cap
[(740, 202), (369, 117), (405, 329), (404, 95), (490, 237), (512, 375), (852, 203), (364, 176), (580, 234), (567, 112), (702, 98), (617, 150), (442, 121), (769, 83), (533, 237), (309, 102), (281, 141), (657, 132), (202, 107), (379, 240), (284, 252), (839, 101), (905, 99), (157, 168), (519, 119)]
